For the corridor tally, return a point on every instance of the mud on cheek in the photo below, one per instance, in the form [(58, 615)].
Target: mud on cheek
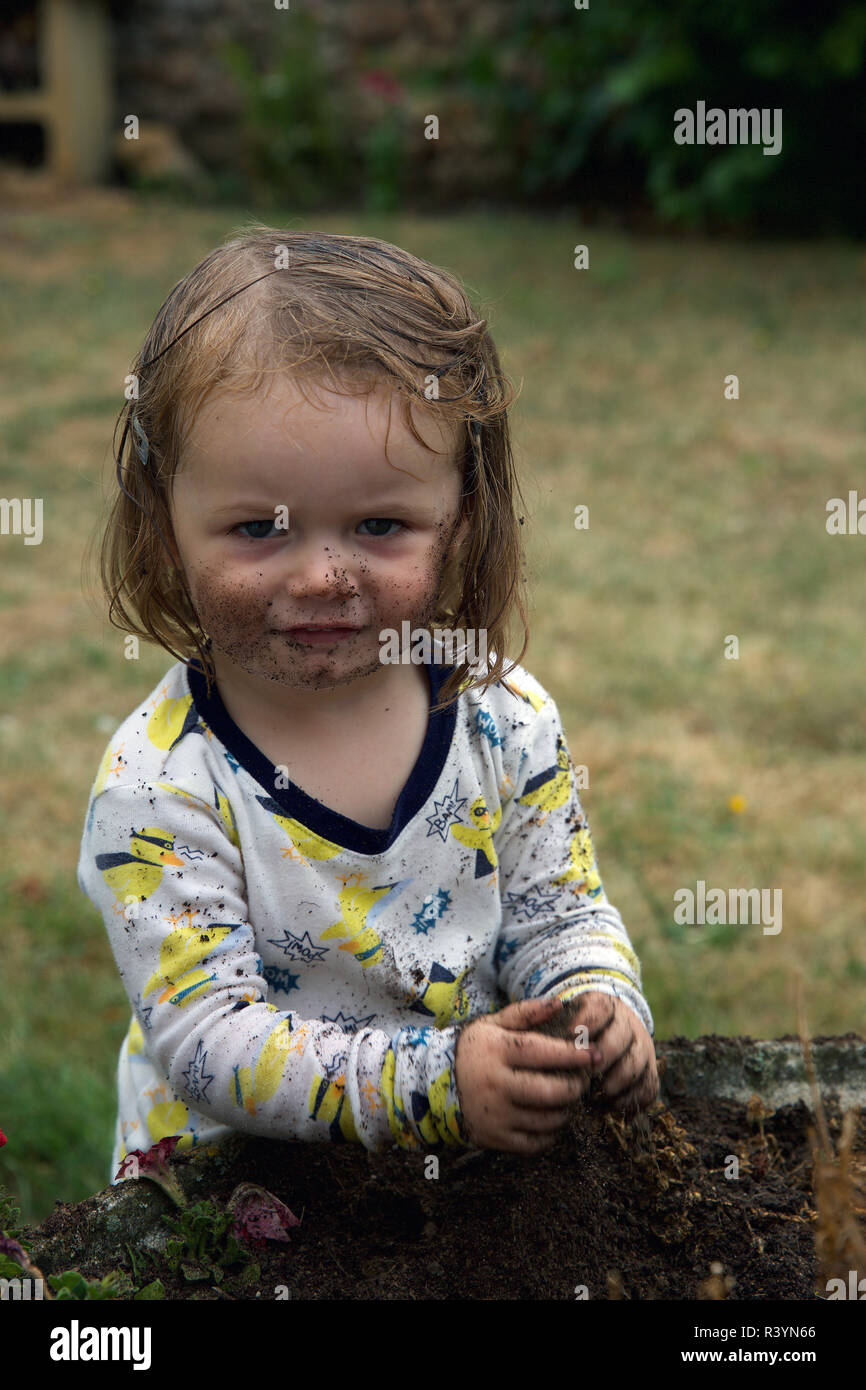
[(234, 615), (433, 565)]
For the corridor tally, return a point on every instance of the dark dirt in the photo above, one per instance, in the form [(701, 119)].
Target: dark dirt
[(632, 1212)]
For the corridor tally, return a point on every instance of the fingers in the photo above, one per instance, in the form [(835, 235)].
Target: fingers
[(528, 1131), (528, 1144), (537, 1053), (522, 1049), (597, 1033), (629, 1078), (635, 1094), (641, 1092), (540, 1091), (620, 1056), (612, 1034), (526, 1013), (535, 1122)]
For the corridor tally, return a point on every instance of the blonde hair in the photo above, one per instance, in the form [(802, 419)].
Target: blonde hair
[(317, 304)]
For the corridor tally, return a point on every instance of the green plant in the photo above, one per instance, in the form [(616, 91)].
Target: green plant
[(382, 151), (15, 1262), (151, 1292), (139, 1261), (10, 1216), (9, 1268), (294, 120), (204, 1245), (72, 1285)]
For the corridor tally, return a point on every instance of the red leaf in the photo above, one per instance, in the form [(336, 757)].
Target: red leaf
[(259, 1215), (139, 1163), (156, 1165)]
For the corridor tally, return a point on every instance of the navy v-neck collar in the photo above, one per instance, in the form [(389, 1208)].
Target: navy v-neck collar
[(312, 814)]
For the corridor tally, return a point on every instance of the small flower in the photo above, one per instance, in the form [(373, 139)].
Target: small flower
[(382, 84), (3, 1139), (737, 804), (259, 1215), (154, 1164)]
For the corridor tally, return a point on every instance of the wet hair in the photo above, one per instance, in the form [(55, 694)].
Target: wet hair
[(353, 313)]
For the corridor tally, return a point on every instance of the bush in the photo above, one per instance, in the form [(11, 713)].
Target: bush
[(585, 101), (580, 104)]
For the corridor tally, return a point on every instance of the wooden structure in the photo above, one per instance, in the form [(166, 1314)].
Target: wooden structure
[(73, 102)]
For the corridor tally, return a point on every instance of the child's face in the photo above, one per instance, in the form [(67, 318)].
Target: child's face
[(365, 543)]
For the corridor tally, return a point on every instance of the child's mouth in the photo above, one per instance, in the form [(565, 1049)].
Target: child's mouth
[(320, 636)]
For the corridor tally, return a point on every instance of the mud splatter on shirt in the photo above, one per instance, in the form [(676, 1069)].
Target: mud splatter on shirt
[(297, 975)]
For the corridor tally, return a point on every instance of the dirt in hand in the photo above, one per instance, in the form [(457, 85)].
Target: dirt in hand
[(563, 1024)]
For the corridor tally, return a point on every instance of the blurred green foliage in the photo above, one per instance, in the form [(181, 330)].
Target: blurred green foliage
[(597, 93), (294, 120), (303, 135), (581, 105)]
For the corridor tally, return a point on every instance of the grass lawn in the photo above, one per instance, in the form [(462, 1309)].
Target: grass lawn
[(707, 519)]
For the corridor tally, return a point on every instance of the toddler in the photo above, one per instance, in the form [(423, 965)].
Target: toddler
[(341, 889)]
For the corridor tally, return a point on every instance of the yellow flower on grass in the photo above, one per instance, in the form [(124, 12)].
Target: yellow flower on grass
[(737, 804)]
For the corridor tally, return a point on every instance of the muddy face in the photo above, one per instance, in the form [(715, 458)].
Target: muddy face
[(238, 614), (365, 545)]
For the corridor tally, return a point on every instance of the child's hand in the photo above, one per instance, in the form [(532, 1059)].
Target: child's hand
[(627, 1065), (507, 1100)]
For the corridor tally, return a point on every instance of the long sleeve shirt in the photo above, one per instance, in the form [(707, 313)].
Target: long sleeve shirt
[(297, 975)]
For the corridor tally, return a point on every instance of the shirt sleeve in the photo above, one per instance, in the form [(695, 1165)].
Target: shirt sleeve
[(163, 865), (559, 935)]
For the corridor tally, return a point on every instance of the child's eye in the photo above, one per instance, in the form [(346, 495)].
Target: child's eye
[(379, 521), (378, 524), (268, 521)]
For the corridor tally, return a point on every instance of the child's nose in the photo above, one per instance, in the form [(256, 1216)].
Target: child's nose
[(322, 569)]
